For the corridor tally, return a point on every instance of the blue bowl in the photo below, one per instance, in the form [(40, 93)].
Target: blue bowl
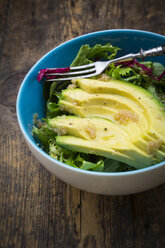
[(30, 100)]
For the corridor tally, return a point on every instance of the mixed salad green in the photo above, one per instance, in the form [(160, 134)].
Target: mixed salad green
[(149, 75)]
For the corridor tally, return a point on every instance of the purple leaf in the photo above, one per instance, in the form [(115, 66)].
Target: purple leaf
[(145, 69), (42, 73), (131, 63), (161, 75)]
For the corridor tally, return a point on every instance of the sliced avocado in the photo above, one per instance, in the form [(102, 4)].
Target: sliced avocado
[(67, 124), (104, 105), (151, 106), (99, 136), (100, 111), (144, 145), (115, 100)]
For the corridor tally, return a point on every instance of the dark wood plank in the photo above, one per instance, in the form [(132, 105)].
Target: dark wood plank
[(36, 208)]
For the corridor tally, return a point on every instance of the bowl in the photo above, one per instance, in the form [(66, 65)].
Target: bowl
[(30, 100)]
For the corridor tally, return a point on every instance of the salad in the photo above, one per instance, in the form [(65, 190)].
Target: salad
[(147, 75)]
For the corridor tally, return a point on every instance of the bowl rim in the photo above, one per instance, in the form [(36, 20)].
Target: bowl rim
[(43, 153)]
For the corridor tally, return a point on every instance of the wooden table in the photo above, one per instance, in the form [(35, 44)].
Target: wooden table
[(36, 208)]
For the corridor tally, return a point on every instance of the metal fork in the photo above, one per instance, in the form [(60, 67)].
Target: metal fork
[(96, 68)]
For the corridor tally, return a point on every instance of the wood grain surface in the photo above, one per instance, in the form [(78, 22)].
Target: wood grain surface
[(36, 208)]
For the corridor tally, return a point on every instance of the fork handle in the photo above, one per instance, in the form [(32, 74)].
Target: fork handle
[(156, 51)]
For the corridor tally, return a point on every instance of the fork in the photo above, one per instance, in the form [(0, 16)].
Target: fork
[(98, 67)]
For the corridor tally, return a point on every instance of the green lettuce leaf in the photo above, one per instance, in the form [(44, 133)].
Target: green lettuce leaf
[(87, 54)]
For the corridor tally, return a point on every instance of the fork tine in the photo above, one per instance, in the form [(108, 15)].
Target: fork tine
[(71, 73), (70, 78), (83, 66), (79, 67)]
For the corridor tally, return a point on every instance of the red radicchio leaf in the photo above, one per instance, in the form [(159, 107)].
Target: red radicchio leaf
[(161, 75), (131, 63), (145, 69), (128, 63), (42, 73)]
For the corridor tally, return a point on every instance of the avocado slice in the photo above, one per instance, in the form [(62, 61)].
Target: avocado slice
[(133, 108), (98, 136), (104, 105), (133, 129), (151, 106)]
